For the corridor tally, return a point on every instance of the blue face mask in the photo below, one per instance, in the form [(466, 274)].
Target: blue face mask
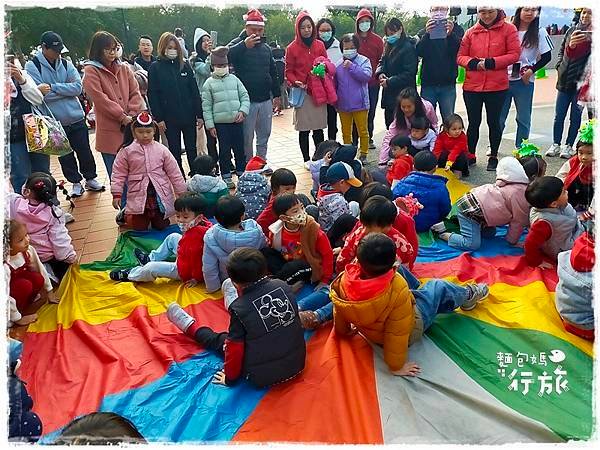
[(326, 35), (350, 54), (392, 39)]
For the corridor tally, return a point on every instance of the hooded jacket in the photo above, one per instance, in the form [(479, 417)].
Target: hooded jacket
[(323, 90), (65, 88), (399, 64), (173, 92), (432, 193), (48, 234), (371, 46), (381, 308), (211, 188), (219, 242), (201, 65), (222, 99), (504, 201), (500, 47), (299, 58), (114, 95), (254, 191), (256, 68), (352, 85)]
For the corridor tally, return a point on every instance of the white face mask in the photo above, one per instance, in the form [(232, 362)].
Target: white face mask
[(350, 54), (171, 53), (221, 71), (119, 52), (364, 26)]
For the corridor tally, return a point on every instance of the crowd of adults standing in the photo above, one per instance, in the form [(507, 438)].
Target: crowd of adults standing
[(500, 58)]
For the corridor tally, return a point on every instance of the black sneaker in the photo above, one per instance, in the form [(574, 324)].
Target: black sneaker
[(492, 164), (120, 218), (372, 145), (142, 257), (119, 275), (472, 161)]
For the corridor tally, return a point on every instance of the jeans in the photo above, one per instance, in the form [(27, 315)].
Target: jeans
[(318, 137), (444, 96), (373, 100), (167, 248), (332, 128), (523, 96), (493, 101), (259, 120), (23, 164), (79, 139), (109, 160), (470, 234), (173, 133), (359, 120), (564, 100), (231, 137), (154, 270), (319, 302)]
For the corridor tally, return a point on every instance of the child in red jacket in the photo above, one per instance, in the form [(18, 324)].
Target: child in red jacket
[(189, 210), (451, 147), (400, 163), (282, 181)]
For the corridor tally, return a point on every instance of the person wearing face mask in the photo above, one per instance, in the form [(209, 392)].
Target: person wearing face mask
[(174, 98), (326, 34), (397, 69), (371, 46), (115, 93), (60, 83), (351, 78)]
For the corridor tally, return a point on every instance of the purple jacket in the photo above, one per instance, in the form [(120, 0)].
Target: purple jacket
[(352, 85)]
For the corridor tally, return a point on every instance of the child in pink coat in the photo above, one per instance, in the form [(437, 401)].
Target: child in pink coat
[(151, 173)]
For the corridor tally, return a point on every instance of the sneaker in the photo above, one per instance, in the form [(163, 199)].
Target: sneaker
[(94, 185), (489, 152), (119, 275), (229, 182), (492, 164), (553, 150), (179, 317), (472, 161), (567, 152), (69, 217), (372, 145), (479, 292), (142, 257), (230, 293), (120, 217), (307, 165), (363, 159), (77, 190), (439, 227)]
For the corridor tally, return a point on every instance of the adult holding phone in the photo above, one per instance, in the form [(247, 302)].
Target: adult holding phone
[(253, 62), (536, 52), (486, 50), (574, 53)]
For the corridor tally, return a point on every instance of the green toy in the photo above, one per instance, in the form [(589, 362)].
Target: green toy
[(527, 149), (319, 70), (586, 132)]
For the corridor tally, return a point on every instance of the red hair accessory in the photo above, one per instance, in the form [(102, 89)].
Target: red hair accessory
[(144, 118), (39, 185)]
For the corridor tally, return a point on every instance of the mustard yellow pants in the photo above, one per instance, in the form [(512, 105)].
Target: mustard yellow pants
[(360, 119)]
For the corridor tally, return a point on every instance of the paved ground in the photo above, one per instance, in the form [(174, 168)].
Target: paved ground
[(94, 231)]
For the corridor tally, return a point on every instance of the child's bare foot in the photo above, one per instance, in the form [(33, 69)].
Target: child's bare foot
[(445, 236), (26, 320), (52, 298)]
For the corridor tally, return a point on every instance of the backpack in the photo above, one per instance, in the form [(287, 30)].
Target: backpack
[(38, 64)]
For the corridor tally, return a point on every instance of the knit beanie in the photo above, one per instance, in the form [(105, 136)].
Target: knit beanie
[(219, 55)]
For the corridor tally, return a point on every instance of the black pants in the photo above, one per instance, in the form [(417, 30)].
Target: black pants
[(340, 228), (373, 101), (211, 340), (493, 102), (317, 136), (389, 116), (461, 163), (580, 195), (59, 268), (231, 138), (79, 139), (332, 128), (173, 133), (211, 145), (288, 271)]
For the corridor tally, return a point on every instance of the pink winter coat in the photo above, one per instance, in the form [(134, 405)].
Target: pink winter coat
[(500, 44), (114, 95), (323, 90), (48, 234), (394, 130), (138, 165), (504, 202)]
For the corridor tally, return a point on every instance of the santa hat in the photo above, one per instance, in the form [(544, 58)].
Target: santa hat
[(582, 254), (257, 164), (254, 17)]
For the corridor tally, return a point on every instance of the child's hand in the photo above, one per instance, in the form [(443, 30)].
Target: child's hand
[(162, 126), (219, 378), (337, 251), (347, 63), (239, 117), (390, 163), (409, 369), (449, 164), (546, 265), (309, 320), (190, 283), (116, 203)]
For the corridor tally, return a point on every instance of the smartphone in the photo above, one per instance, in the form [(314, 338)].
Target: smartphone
[(516, 70), (213, 37), (439, 29), (588, 34), (263, 40), (9, 58)]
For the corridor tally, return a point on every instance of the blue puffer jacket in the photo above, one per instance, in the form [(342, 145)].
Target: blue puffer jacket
[(253, 189), (219, 242), (433, 194)]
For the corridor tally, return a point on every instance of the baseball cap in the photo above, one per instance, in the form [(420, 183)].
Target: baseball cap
[(344, 153), (52, 40), (342, 171)]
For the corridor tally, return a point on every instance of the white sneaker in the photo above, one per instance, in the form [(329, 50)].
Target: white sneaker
[(489, 152), (307, 165), (77, 190), (179, 317), (479, 292), (567, 151), (439, 227), (230, 293), (553, 150), (94, 185), (69, 217)]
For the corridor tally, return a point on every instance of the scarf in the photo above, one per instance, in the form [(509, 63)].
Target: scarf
[(577, 170), (307, 41)]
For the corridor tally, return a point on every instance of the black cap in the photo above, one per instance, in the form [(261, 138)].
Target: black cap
[(52, 40), (344, 153)]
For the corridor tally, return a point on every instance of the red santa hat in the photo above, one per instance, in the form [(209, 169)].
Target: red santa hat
[(256, 164), (582, 254), (254, 17)]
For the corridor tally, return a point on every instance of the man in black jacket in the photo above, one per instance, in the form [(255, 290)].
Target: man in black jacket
[(439, 69), (254, 65), (144, 57)]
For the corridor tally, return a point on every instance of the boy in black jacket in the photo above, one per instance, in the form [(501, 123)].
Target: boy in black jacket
[(265, 342)]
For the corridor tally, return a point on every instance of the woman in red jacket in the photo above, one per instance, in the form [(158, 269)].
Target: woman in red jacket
[(486, 50), (300, 56)]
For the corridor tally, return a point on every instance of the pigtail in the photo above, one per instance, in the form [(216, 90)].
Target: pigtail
[(62, 188), (43, 189)]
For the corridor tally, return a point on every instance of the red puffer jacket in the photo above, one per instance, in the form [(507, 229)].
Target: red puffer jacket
[(498, 45), (299, 58), (323, 90), (190, 250)]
